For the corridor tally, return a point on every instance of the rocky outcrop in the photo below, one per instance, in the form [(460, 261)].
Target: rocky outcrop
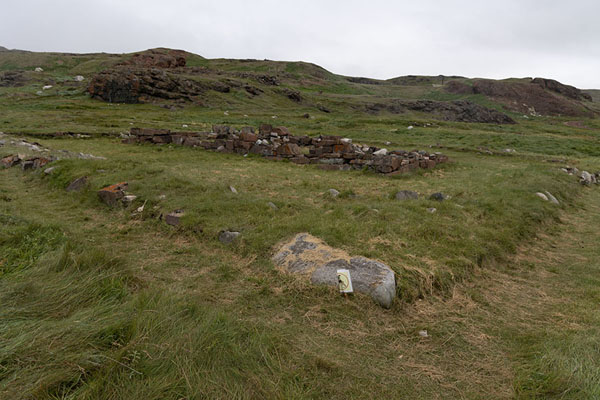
[(538, 97), (560, 88), (459, 111), (308, 256), (136, 85), (12, 79), (158, 58)]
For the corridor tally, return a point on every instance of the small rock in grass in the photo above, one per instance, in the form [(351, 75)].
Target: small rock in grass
[(407, 195), (431, 210), (587, 178), (542, 196), (174, 218), (49, 170), (77, 184), (233, 190), (130, 198), (423, 333), (439, 196), (272, 205), (551, 198), (227, 237), (111, 195), (333, 193)]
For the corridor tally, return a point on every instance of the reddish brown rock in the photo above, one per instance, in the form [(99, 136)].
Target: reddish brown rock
[(111, 195), (10, 161), (281, 131)]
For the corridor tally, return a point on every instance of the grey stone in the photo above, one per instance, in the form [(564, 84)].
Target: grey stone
[(77, 184), (174, 218), (228, 237), (587, 178), (309, 256), (552, 198), (439, 196), (272, 205), (333, 193), (380, 152), (542, 196), (233, 190), (49, 170), (431, 210), (407, 195)]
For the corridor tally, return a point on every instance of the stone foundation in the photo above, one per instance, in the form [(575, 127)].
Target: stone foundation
[(277, 143)]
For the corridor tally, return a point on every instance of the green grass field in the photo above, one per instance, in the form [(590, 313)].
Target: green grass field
[(97, 303)]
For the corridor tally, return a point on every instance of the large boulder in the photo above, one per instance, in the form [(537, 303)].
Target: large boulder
[(309, 256)]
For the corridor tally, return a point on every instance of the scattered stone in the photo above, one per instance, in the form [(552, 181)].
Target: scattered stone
[(228, 237), (587, 178), (77, 184), (233, 190), (9, 161), (130, 198), (439, 197), (272, 206), (174, 218), (79, 78), (410, 127), (49, 170), (39, 69), (407, 195), (423, 334), (111, 195), (309, 256), (542, 196), (431, 210), (333, 193), (380, 152), (47, 87), (551, 198)]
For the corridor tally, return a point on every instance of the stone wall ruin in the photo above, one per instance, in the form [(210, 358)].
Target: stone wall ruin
[(277, 143)]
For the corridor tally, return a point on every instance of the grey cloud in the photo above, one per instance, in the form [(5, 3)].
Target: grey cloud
[(379, 38)]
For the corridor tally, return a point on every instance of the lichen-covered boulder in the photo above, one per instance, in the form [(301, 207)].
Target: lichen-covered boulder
[(309, 256)]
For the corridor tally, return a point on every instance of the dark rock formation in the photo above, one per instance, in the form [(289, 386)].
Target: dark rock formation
[(459, 111), (12, 79), (157, 58), (560, 88), (135, 85), (538, 97)]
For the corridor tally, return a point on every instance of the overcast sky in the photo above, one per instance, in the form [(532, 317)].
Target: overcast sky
[(557, 39)]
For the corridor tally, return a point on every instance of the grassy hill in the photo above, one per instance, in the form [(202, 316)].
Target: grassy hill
[(102, 302)]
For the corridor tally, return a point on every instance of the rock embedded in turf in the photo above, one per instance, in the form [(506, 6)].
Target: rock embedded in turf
[(310, 257), (333, 193), (174, 218), (552, 198), (407, 195), (111, 195), (272, 205), (587, 178), (439, 196), (77, 184), (542, 196), (10, 161), (233, 190), (228, 237)]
